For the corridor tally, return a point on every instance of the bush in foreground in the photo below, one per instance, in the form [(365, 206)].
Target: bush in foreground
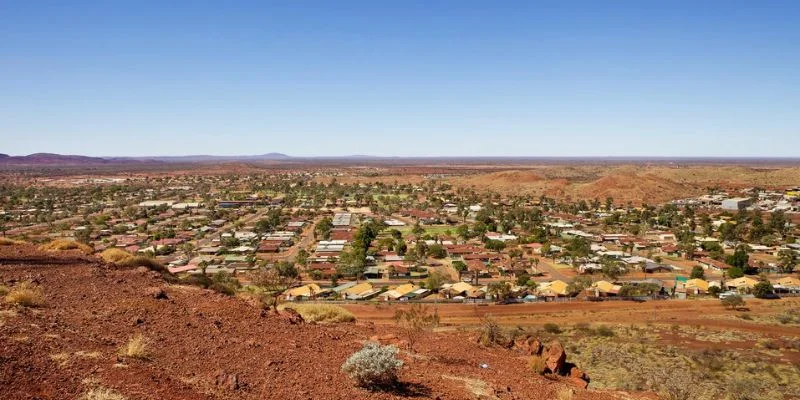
[(115, 256), (101, 393), (373, 366), (135, 348), (66, 244), (321, 313), (26, 294), (142, 261)]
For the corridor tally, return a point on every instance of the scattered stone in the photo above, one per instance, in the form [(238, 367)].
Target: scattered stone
[(157, 293), (292, 316), (554, 357)]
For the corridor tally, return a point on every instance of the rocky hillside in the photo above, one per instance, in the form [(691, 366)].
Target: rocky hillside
[(204, 345)]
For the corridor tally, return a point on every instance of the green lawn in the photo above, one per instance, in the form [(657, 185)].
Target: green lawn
[(431, 230)]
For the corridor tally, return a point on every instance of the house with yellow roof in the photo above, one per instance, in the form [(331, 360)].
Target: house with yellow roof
[(305, 291), (605, 288), (696, 286), (398, 292), (357, 290), (552, 289), (742, 284)]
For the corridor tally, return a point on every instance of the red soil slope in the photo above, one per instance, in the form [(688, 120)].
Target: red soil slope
[(196, 336)]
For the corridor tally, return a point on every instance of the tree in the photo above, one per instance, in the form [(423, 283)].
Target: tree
[(437, 251), (739, 258), (698, 273), (302, 257), (578, 247), (495, 245), (610, 268), (460, 267), (762, 289), (434, 281), (733, 302), (287, 269), (787, 260), (499, 290), (735, 272), (323, 228), (463, 231)]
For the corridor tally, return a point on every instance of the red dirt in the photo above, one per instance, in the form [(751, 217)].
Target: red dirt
[(195, 335)]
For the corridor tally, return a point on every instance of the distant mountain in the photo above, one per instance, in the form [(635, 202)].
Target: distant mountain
[(60, 159), (51, 159), (210, 158)]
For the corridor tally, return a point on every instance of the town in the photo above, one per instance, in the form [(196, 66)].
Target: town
[(305, 240)]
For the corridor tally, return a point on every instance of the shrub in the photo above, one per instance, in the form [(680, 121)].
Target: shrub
[(604, 331), (26, 294), (66, 244), (552, 328), (114, 255), (565, 394), (537, 365), (135, 348), (4, 290), (491, 332), (373, 366), (224, 283), (784, 318), (101, 393), (415, 320), (733, 302), (9, 242), (142, 261), (322, 313)]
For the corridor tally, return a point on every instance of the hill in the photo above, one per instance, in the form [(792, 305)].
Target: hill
[(52, 159), (204, 345)]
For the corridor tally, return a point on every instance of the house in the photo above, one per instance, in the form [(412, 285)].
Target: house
[(398, 292), (742, 284), (736, 203), (552, 289), (604, 289), (715, 265), (457, 289), (361, 291), (697, 286), (306, 291)]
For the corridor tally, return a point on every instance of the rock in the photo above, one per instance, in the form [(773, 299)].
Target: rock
[(228, 381), (554, 357), (292, 316), (528, 345), (578, 378), (157, 293)]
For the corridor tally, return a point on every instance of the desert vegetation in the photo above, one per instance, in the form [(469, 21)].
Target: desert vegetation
[(321, 313), (25, 294), (374, 366), (137, 347), (65, 245)]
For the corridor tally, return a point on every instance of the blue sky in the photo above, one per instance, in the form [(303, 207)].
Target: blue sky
[(403, 78)]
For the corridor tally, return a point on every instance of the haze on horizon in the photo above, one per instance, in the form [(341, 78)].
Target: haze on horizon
[(450, 78)]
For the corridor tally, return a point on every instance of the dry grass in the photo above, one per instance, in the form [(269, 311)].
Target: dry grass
[(4, 290), (9, 242), (321, 313), (537, 365), (135, 348), (66, 244), (101, 393), (115, 256), (26, 294), (565, 394), (142, 261)]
